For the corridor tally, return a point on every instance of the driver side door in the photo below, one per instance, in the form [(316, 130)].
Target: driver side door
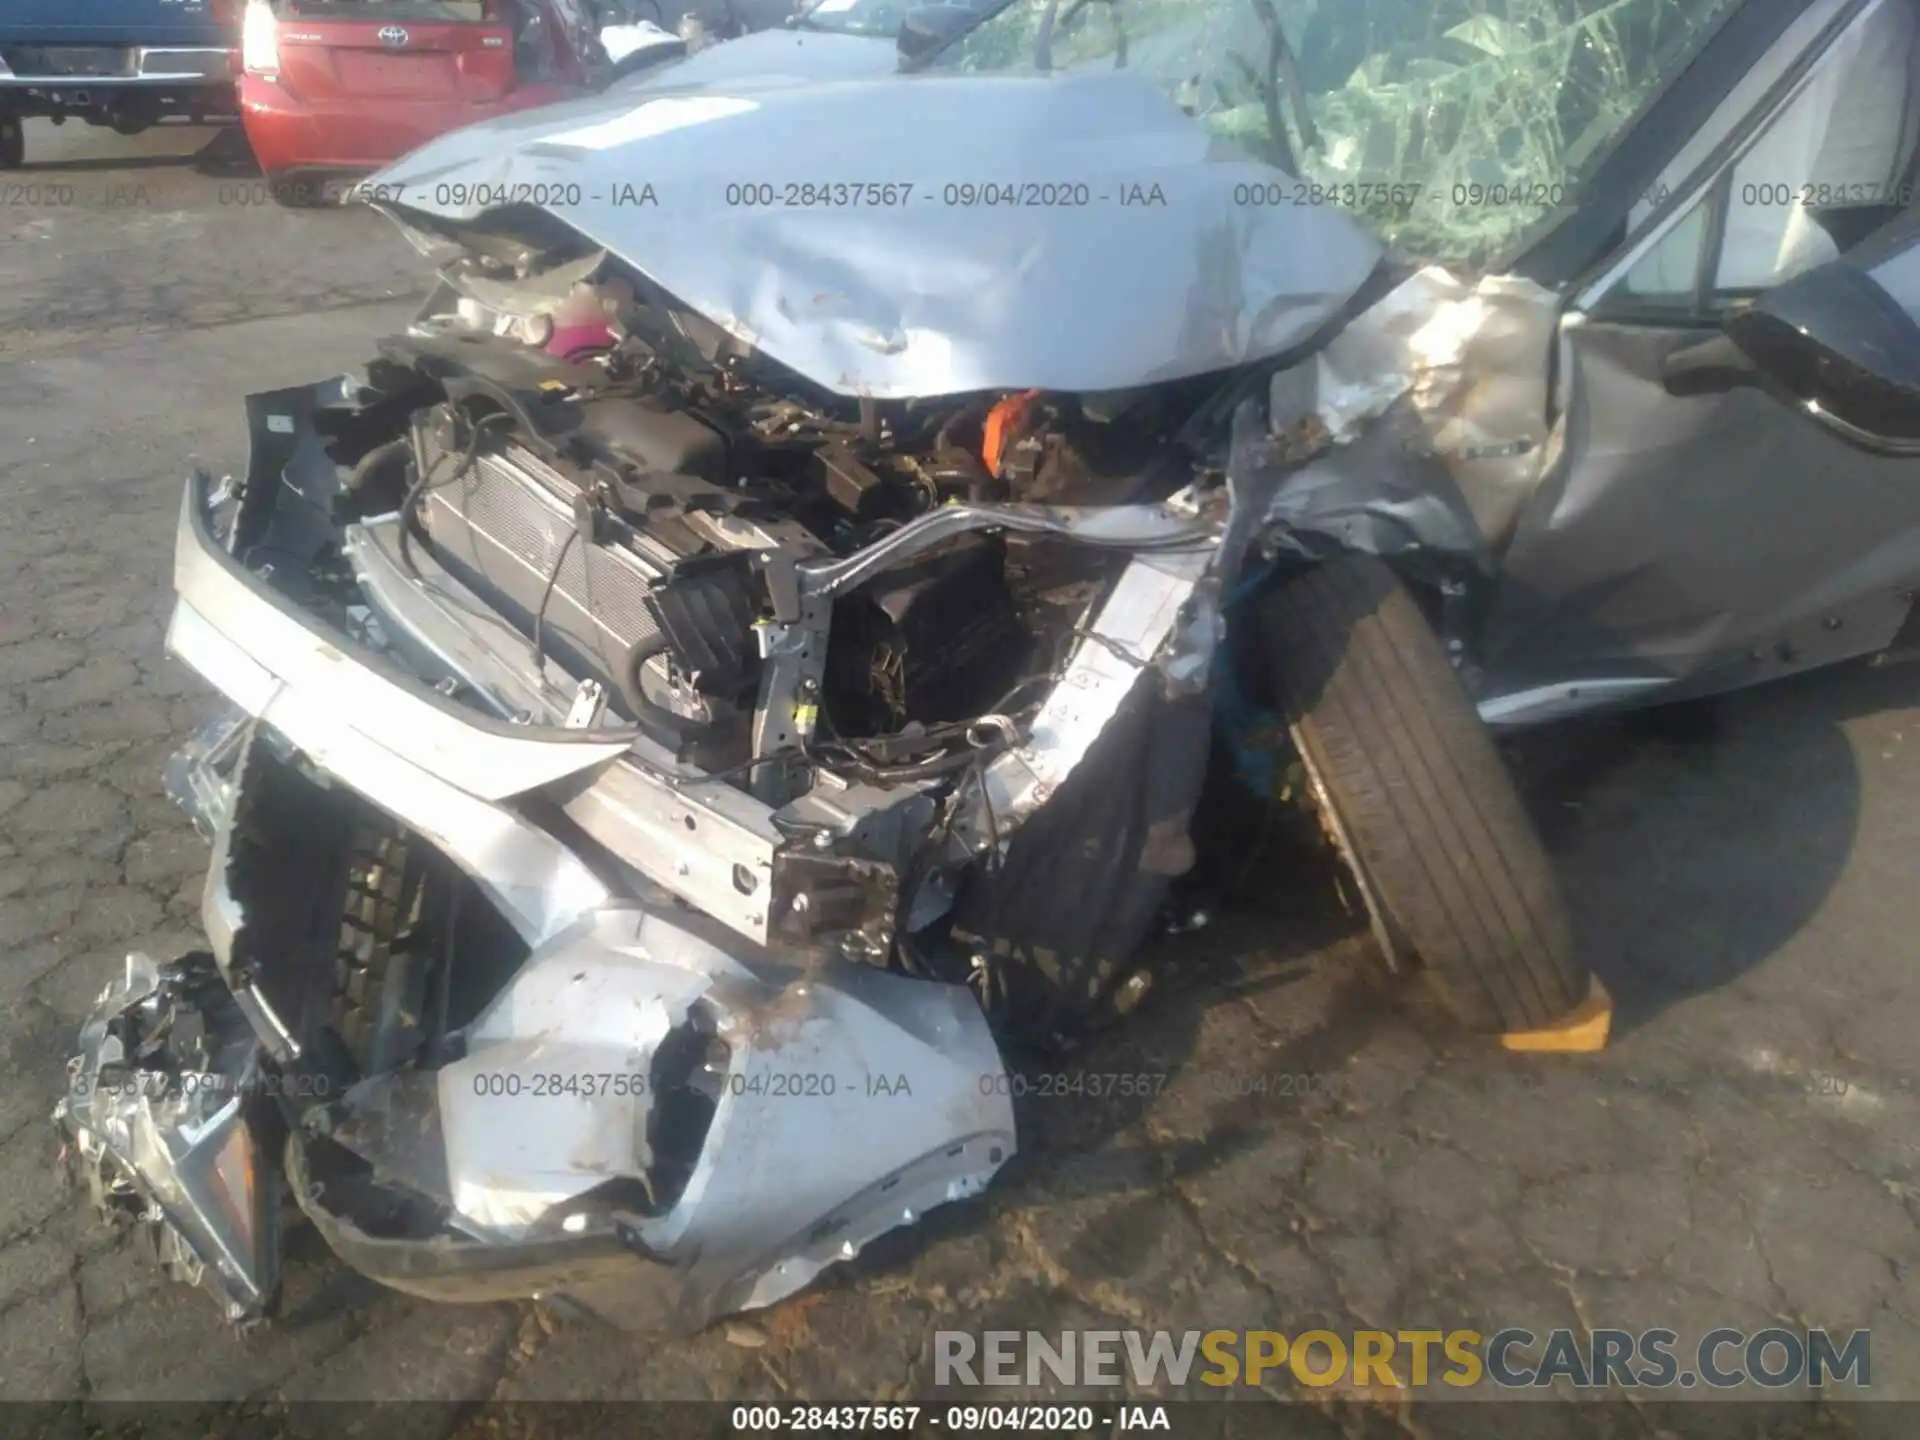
[(1691, 536)]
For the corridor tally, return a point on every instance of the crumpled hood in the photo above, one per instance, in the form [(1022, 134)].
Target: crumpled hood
[(829, 224)]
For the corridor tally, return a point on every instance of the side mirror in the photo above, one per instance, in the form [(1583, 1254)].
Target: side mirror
[(1842, 344), (928, 28)]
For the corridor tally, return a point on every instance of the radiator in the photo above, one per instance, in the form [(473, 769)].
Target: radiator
[(503, 527)]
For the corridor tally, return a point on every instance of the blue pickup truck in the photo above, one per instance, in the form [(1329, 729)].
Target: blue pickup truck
[(123, 63)]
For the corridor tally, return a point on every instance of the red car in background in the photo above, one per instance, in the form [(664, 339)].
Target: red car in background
[(336, 88)]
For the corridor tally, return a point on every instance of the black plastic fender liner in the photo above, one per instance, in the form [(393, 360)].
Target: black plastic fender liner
[(1085, 879)]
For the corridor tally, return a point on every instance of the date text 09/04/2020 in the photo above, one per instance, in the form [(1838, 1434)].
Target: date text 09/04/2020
[(956, 1419), (777, 1085)]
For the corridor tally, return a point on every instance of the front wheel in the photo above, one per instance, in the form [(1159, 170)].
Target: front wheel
[(1417, 798), (13, 142)]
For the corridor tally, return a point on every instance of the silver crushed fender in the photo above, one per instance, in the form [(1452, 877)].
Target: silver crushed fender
[(1167, 609), (845, 1103), (1469, 365), (1124, 639)]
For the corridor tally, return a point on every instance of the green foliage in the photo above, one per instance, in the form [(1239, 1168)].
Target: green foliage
[(1461, 125), (1498, 122)]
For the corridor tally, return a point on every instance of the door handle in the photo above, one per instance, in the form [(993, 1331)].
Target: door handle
[(1708, 367)]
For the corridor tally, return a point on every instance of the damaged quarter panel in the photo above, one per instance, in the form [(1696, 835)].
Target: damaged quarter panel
[(908, 289)]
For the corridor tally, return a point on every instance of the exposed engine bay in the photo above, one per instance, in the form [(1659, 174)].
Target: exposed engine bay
[(691, 738), (757, 575), (634, 502)]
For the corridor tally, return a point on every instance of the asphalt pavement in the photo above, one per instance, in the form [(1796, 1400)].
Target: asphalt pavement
[(1325, 1150)]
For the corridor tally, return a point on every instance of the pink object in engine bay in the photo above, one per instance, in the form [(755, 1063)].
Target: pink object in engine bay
[(585, 321)]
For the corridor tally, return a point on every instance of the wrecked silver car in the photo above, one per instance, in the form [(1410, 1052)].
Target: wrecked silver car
[(755, 645)]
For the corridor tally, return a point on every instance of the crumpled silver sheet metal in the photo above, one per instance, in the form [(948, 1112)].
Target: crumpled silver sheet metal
[(848, 1102), (1164, 272), (1473, 362), (177, 1153), (1383, 493)]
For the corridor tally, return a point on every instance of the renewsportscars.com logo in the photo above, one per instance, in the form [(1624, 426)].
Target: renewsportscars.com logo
[(1512, 1359)]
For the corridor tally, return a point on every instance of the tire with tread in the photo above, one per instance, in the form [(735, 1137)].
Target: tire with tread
[(13, 143), (1422, 802)]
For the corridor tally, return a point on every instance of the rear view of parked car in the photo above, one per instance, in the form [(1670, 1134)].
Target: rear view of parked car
[(335, 88), (124, 63)]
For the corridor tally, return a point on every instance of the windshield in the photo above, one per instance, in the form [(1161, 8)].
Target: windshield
[(880, 18), (857, 17), (1451, 126)]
